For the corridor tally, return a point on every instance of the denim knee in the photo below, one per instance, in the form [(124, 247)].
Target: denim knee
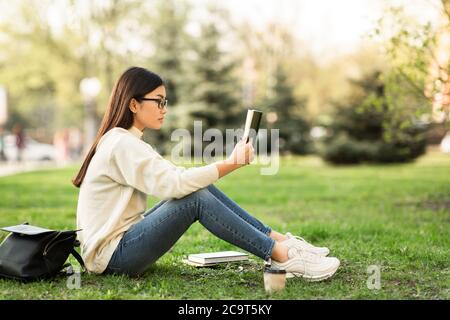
[(192, 202), (197, 195)]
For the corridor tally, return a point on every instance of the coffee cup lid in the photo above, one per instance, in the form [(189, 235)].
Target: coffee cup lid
[(269, 269)]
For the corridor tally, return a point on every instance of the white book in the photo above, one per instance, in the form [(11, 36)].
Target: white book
[(217, 257), (199, 265)]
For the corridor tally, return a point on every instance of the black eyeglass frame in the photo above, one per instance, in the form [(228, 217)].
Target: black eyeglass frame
[(159, 100)]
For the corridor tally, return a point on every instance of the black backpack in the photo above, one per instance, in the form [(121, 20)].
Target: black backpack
[(33, 253)]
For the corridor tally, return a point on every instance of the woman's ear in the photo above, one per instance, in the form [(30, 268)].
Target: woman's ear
[(133, 105)]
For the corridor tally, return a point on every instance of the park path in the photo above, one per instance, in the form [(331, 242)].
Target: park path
[(11, 168)]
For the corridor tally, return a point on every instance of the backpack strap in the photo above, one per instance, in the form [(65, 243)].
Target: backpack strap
[(78, 257)]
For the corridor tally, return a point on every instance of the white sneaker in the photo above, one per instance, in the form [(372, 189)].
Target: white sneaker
[(307, 265), (300, 243)]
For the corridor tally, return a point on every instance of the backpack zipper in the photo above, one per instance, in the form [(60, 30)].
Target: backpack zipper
[(50, 244)]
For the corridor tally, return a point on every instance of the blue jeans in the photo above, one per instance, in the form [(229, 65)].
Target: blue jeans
[(146, 241)]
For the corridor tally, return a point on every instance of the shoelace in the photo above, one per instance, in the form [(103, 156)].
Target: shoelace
[(307, 255), (299, 238)]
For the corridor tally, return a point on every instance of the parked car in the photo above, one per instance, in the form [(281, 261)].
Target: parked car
[(33, 151), (445, 143)]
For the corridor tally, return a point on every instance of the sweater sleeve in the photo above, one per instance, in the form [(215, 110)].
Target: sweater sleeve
[(135, 163)]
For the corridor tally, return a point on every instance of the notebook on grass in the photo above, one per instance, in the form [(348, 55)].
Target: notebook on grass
[(212, 258)]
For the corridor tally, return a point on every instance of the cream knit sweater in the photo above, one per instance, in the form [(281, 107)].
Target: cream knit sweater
[(113, 195)]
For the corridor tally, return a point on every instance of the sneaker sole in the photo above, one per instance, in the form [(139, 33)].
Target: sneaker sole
[(312, 278)]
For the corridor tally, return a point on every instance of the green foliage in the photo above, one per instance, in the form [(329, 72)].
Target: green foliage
[(171, 43), (414, 52), (345, 150), (370, 129), (294, 130), (214, 90), (42, 65)]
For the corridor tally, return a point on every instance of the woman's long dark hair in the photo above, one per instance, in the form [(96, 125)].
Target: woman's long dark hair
[(135, 82)]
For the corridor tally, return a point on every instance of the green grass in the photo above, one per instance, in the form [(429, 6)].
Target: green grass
[(393, 216)]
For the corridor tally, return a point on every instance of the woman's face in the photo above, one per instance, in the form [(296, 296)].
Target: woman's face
[(147, 113)]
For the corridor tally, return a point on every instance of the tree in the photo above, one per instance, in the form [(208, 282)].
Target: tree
[(43, 68), (214, 90), (294, 130), (367, 127), (266, 49), (170, 42), (169, 39), (419, 58)]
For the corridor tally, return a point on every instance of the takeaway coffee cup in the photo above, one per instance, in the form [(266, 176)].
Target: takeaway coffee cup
[(274, 279)]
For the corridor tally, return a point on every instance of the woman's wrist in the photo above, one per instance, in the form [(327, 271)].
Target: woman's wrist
[(226, 166), (227, 161)]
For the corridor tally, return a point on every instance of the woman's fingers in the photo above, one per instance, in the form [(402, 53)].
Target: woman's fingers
[(243, 152), (250, 150)]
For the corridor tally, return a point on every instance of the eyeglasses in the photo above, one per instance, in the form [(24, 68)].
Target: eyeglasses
[(161, 102)]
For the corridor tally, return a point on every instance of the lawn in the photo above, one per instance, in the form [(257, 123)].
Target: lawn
[(393, 217)]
